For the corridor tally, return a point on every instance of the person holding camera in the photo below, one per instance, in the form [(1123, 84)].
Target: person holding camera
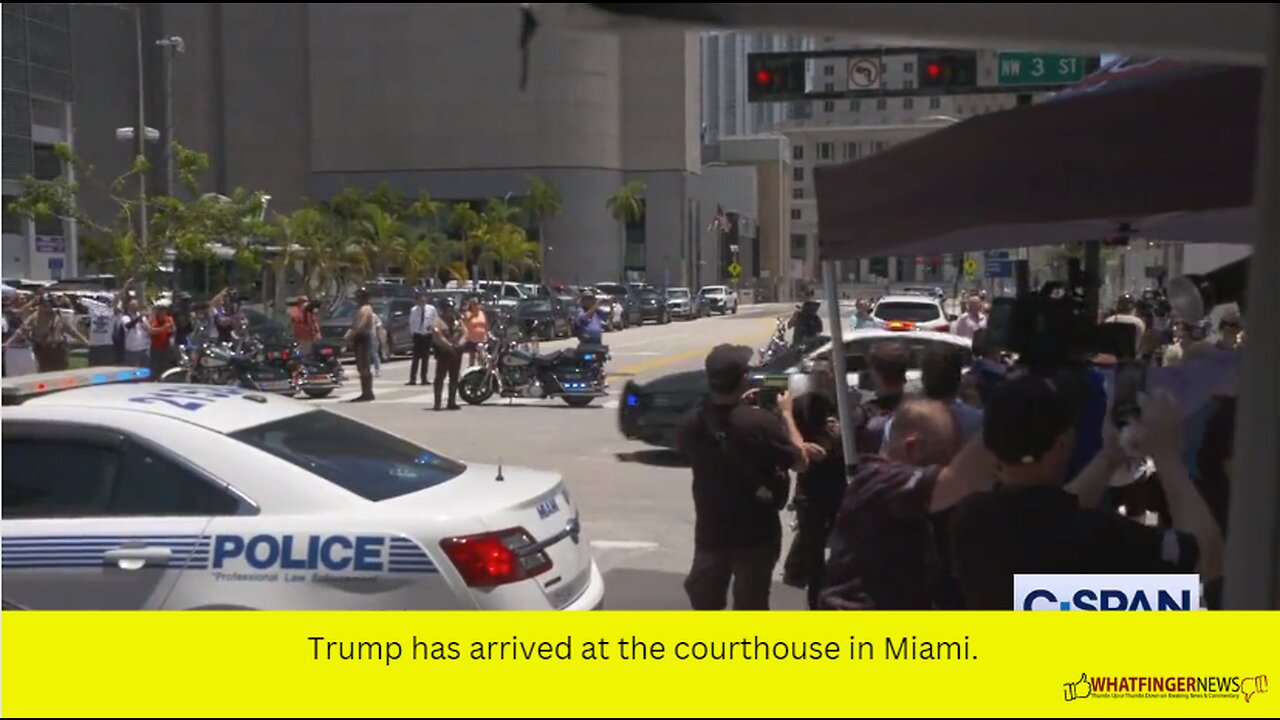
[(1032, 523), (740, 454)]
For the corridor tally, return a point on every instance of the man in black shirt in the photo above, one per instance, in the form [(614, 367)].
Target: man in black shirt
[(1032, 524), (740, 456), (820, 487)]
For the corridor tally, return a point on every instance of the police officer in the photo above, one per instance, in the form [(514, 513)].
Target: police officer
[(360, 340)]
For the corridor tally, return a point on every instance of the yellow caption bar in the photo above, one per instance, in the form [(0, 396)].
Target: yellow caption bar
[(423, 664)]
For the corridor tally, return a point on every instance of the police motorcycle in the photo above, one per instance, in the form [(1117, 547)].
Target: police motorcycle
[(777, 343), (511, 368), (239, 363), (318, 374)]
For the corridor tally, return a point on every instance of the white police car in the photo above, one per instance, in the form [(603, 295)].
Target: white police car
[(126, 495)]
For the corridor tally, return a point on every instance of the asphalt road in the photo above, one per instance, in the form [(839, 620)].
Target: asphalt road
[(635, 500)]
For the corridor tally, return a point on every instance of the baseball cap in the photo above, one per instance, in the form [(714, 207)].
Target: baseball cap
[(727, 365), (1024, 417)]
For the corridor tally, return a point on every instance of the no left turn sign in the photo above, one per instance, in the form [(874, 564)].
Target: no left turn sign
[(864, 73)]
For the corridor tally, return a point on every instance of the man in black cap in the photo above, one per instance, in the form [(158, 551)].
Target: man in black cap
[(741, 455), (1032, 524)]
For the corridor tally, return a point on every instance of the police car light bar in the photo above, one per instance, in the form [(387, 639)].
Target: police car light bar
[(16, 389)]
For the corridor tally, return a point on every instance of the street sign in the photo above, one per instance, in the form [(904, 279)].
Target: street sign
[(55, 268), (735, 269), (970, 266), (996, 255), (1025, 68), (999, 268), (864, 73), (56, 244)]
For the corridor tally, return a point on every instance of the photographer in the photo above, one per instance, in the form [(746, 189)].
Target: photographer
[(821, 485), (1031, 523), (740, 455)]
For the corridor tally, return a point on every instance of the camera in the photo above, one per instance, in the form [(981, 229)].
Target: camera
[(1055, 326)]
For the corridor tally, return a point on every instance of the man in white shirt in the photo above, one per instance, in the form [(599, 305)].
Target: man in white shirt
[(972, 321), (1126, 310), (422, 322), (137, 335), (103, 319)]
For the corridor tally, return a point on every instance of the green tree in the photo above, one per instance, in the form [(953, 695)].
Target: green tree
[(626, 206), (542, 201), (510, 248), (185, 229), (470, 229)]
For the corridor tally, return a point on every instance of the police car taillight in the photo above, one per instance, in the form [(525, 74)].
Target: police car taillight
[(496, 558)]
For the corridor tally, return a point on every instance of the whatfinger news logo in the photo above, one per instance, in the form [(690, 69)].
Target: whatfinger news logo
[(1106, 592), (1186, 687)]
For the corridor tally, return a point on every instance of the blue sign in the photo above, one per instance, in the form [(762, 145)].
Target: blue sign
[(996, 255), (55, 263), (998, 268)]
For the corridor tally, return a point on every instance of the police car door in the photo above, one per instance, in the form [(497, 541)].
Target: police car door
[(93, 519)]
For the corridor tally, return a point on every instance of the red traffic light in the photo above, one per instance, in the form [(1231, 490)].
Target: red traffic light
[(933, 70), (763, 77)]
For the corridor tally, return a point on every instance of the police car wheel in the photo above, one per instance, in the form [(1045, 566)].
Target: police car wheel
[(317, 392)]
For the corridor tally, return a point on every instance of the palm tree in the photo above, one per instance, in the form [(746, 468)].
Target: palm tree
[(466, 222), (542, 202), (512, 250), (626, 206), (426, 209), (380, 237)]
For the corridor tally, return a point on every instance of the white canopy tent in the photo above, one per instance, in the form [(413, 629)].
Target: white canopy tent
[(1233, 33)]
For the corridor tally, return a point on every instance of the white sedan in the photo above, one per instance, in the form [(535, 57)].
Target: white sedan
[(857, 351), (129, 495)]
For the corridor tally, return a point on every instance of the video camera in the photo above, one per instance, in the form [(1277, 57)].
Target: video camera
[(1056, 326)]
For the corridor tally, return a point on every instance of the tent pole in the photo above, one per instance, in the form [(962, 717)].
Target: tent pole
[(836, 331), (1253, 552)]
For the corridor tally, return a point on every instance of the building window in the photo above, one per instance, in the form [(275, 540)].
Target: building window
[(828, 106), (12, 221), (47, 163), (908, 84), (909, 67), (797, 152), (908, 103), (851, 151), (797, 193), (795, 213), (799, 246), (935, 103), (828, 70), (797, 174), (855, 105), (825, 151), (881, 146), (882, 104), (829, 87)]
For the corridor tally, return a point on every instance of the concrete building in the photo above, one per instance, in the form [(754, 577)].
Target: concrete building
[(37, 112), (303, 99)]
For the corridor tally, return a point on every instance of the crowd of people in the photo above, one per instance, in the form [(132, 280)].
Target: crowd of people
[(988, 470)]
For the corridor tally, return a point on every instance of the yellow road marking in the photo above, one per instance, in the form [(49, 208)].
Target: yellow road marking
[(664, 361)]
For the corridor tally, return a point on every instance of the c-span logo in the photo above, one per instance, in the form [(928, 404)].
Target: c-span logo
[(1106, 592)]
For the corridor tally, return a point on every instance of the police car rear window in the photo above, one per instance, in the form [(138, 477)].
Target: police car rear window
[(908, 312), (364, 460)]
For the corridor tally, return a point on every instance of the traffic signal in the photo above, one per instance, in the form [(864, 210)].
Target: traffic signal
[(947, 70), (775, 77)]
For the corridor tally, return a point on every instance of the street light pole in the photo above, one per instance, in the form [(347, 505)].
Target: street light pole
[(173, 46), (141, 133)]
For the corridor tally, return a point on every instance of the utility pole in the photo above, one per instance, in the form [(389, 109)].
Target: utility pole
[(141, 133), (173, 46)]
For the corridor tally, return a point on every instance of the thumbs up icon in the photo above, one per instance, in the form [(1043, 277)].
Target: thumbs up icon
[(1076, 690)]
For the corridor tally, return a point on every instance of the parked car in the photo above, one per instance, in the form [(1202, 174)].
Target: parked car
[(628, 299), (719, 299), (397, 336), (653, 306), (680, 303), (543, 318)]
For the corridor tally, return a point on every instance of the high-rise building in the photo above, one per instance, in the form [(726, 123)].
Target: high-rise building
[(301, 100), (38, 86), (725, 110)]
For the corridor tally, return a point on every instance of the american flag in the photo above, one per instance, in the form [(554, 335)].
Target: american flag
[(719, 221)]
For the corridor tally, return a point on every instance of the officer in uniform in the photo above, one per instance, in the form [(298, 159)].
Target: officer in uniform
[(360, 340)]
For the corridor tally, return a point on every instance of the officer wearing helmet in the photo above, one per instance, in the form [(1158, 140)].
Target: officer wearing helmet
[(360, 340)]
